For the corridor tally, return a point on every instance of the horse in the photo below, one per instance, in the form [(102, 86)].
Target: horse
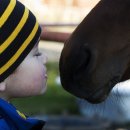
[(97, 54)]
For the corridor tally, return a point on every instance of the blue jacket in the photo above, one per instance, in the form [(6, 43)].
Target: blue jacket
[(12, 119)]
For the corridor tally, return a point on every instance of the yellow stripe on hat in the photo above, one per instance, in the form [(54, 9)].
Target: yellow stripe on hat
[(20, 50), (16, 31), (7, 12)]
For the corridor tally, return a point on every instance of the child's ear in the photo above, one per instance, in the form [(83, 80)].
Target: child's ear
[(2, 86)]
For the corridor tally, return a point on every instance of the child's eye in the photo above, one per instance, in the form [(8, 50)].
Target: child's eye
[(38, 54)]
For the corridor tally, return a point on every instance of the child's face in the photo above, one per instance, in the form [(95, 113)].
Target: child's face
[(30, 77)]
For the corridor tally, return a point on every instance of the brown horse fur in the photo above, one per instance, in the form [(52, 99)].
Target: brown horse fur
[(97, 54)]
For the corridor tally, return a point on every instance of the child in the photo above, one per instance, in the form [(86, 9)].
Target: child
[(22, 67)]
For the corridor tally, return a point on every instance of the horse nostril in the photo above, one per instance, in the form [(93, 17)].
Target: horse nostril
[(83, 61)]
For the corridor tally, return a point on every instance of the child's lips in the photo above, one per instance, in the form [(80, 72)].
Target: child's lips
[(46, 76)]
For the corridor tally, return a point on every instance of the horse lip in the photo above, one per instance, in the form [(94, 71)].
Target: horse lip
[(99, 95), (75, 91), (94, 97)]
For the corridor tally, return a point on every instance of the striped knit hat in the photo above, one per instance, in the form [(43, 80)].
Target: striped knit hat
[(19, 32)]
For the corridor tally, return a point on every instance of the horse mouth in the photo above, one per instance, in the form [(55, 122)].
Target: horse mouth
[(98, 96)]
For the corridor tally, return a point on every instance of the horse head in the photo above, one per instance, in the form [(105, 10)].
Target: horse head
[(97, 54)]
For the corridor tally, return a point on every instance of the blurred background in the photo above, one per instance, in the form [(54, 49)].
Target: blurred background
[(60, 109), (60, 11)]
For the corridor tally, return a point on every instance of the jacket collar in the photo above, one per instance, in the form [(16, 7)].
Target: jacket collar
[(17, 120)]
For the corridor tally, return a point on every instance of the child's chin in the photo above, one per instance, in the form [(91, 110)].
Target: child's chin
[(44, 89)]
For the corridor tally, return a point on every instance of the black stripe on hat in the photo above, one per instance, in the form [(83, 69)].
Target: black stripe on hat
[(3, 6)]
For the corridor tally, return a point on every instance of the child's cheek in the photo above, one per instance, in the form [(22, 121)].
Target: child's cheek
[(39, 78), (34, 76)]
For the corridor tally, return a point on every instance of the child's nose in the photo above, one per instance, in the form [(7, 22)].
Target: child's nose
[(45, 58)]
